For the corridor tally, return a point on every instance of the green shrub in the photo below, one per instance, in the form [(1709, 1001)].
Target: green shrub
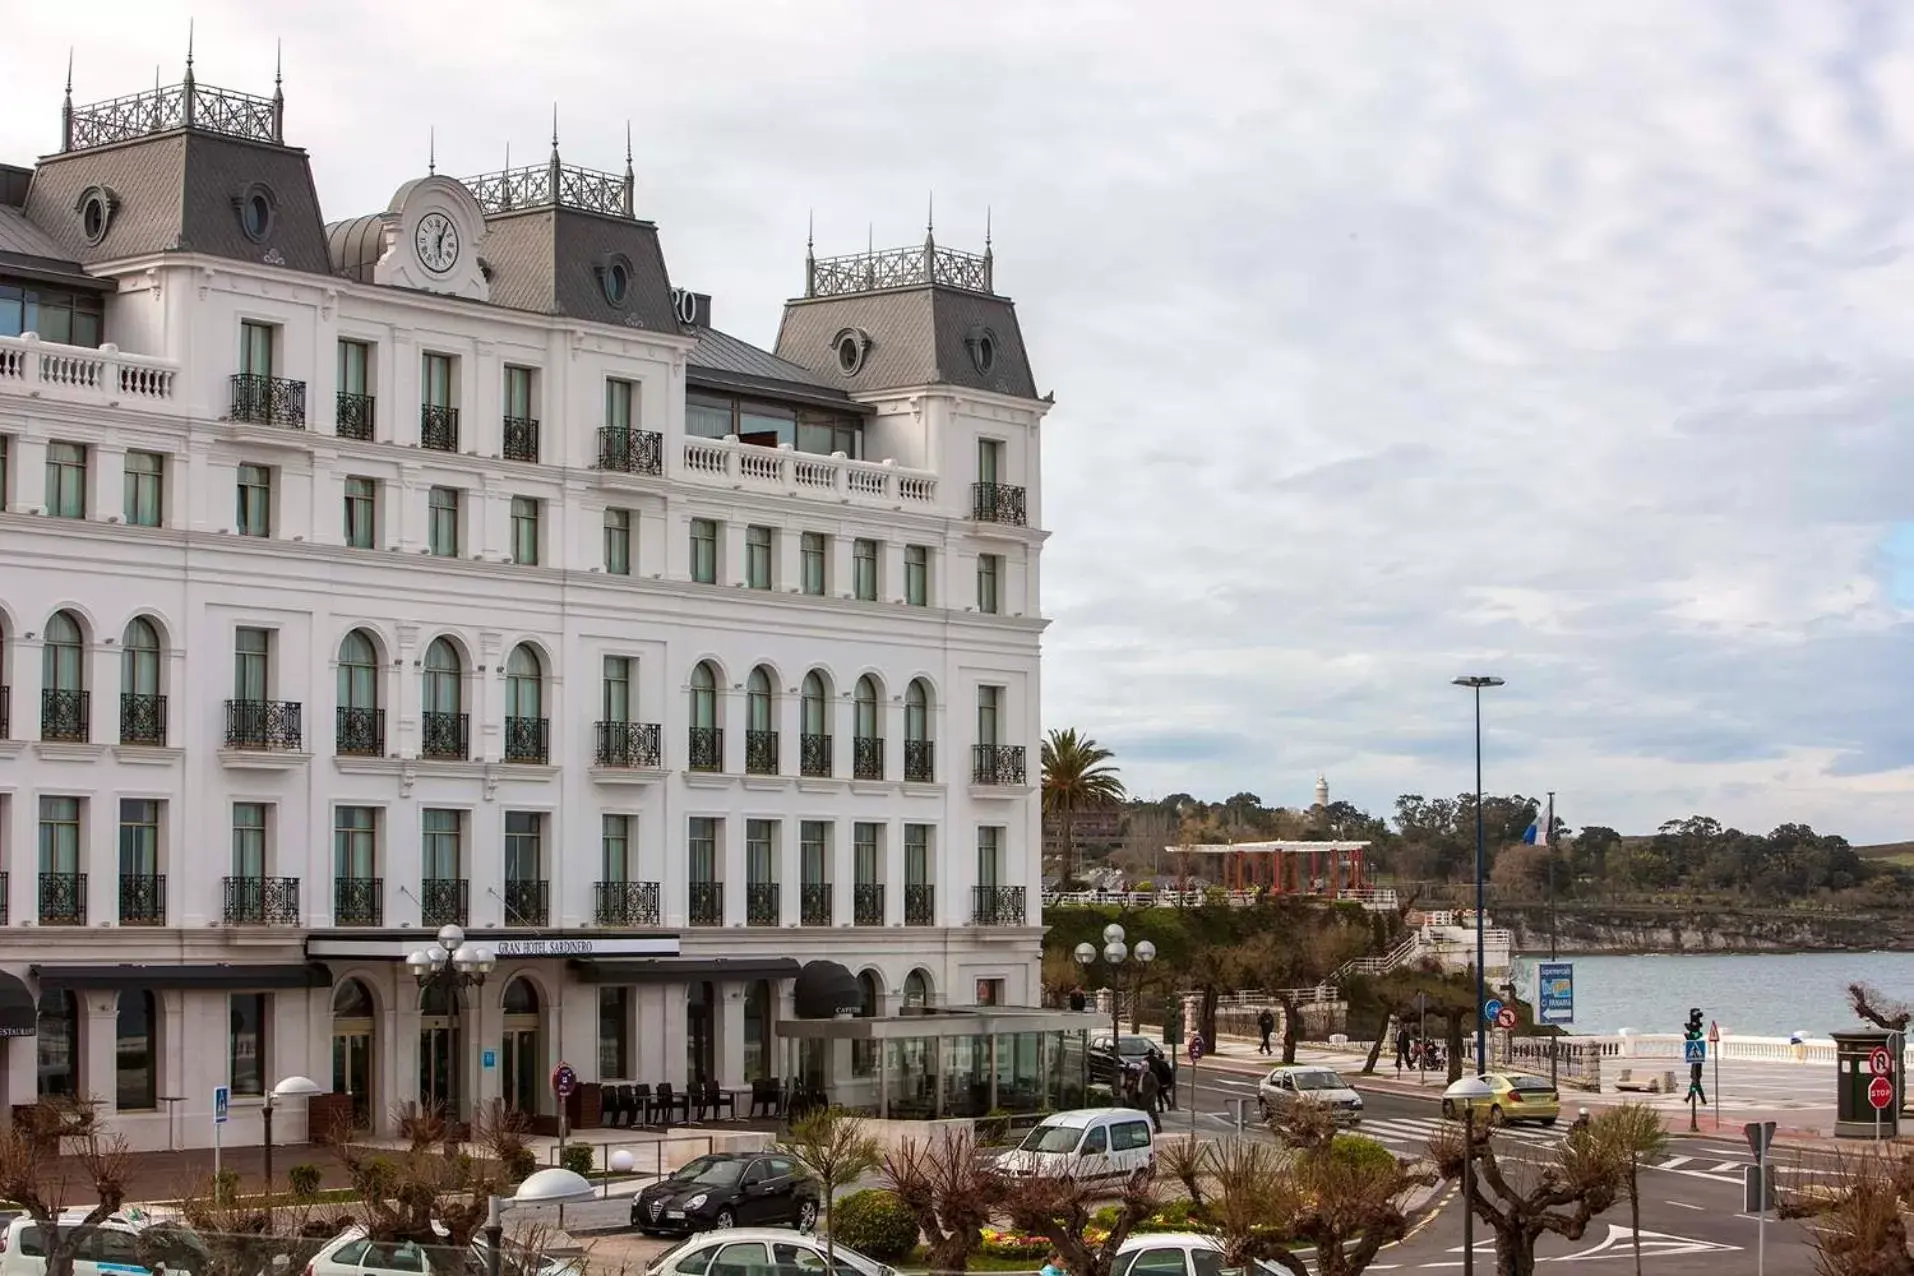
[(305, 1180), (520, 1163), (578, 1158), (225, 1185), (1360, 1153), (876, 1223)]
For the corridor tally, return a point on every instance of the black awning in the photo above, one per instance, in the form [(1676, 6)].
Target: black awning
[(657, 970), (19, 1012), (824, 988), (211, 976)]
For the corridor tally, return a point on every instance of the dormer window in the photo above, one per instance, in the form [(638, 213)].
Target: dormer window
[(257, 206), (981, 342), (96, 206), (852, 344), (614, 279)]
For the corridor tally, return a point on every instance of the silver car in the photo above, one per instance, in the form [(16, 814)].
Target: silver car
[(1309, 1083)]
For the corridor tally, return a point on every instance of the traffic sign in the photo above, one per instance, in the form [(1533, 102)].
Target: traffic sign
[(488, 1058), (564, 1080), (1196, 1046), (222, 1103), (1491, 1009), (1694, 1052), (1714, 1033), (1505, 1017), (1881, 1064), (1760, 1136), (1880, 1092)]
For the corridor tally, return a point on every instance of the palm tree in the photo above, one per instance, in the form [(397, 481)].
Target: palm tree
[(1077, 776)]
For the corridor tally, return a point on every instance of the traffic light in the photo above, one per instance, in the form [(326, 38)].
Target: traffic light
[(1692, 1032)]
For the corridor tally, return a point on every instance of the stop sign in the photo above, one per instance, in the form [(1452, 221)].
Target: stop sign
[(1880, 1092)]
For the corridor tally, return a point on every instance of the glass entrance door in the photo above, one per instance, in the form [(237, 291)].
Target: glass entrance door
[(352, 1073), (700, 1035), (520, 1061), (438, 1056)]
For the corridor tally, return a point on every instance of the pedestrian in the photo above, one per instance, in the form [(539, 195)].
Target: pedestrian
[(1165, 1079), (1265, 1024), (1147, 1094), (1402, 1047), (1053, 1265)]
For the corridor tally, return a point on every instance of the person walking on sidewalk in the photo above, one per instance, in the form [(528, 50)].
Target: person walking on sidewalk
[(1165, 1079), (1402, 1047), (1265, 1024), (1148, 1094)]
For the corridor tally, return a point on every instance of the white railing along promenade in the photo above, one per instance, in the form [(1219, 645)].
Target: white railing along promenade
[(105, 377), (1376, 901), (729, 462)]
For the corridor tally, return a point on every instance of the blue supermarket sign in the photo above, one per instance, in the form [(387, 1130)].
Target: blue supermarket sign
[(1555, 992)]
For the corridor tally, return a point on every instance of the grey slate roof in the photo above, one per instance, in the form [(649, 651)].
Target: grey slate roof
[(721, 361), (179, 191), (18, 235), (917, 337), (544, 259)]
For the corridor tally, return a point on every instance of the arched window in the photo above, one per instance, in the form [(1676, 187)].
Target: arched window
[(352, 1048), (867, 700), (816, 705), (759, 712), (867, 995), (521, 998), (352, 1000), (917, 711), (140, 658), (135, 1042), (524, 684), (358, 672), (916, 990), (63, 659), (757, 1030), (704, 696), (442, 708), (58, 1041)]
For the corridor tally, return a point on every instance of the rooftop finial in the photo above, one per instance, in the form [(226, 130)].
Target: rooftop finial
[(69, 73), (990, 261), (66, 108), (505, 187), (986, 228), (810, 232), (627, 143), (191, 102), (554, 130), (431, 150), (189, 50), (278, 93), (628, 198)]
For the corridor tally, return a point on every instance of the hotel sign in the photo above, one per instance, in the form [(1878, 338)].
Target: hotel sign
[(505, 947), (545, 948)]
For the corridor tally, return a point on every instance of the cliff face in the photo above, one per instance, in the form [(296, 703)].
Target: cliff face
[(1669, 929)]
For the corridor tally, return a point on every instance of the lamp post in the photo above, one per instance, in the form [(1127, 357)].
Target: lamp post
[(1115, 953), (452, 965), (1467, 1092), (1475, 682), (290, 1088), (555, 1186)]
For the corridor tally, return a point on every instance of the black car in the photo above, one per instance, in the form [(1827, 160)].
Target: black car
[(728, 1189), (1109, 1059)]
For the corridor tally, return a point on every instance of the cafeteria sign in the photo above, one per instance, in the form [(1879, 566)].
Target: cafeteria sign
[(1555, 992)]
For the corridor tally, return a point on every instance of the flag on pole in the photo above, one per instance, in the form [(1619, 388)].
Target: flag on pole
[(1538, 831)]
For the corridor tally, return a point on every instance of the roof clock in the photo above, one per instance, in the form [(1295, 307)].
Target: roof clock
[(437, 242), (433, 233)]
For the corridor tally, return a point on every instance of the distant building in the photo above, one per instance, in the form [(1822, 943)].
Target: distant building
[(1095, 833)]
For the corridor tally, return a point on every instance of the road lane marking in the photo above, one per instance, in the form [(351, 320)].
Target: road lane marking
[(1685, 1205), (1674, 1162)]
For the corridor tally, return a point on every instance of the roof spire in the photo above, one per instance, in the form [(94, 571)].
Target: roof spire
[(189, 50), (989, 257), (69, 73), (278, 93), (554, 130), (505, 186), (930, 220), (629, 201), (554, 176), (810, 253), (431, 150), (66, 108), (187, 84)]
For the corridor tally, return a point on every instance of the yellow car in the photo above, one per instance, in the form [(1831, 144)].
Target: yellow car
[(1513, 1096)]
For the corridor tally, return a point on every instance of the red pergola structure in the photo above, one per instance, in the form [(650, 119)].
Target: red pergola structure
[(1283, 868)]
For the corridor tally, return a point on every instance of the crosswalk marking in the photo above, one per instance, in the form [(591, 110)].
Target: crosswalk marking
[(1415, 1132), (1675, 1162), (1726, 1166)]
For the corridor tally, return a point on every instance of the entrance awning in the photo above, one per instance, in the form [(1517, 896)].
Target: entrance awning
[(659, 970), (210, 976), (824, 988), (19, 1013)]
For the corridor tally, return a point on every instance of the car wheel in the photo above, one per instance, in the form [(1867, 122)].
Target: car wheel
[(806, 1215), (725, 1220), (1548, 1121), (1448, 1109), (1262, 1105)]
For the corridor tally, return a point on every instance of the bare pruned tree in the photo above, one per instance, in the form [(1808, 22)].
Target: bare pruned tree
[(1060, 1210), (1871, 1004), (1859, 1206), (55, 1155), (950, 1189)]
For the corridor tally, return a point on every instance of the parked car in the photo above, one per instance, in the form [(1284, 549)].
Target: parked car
[(754, 1251), (350, 1253), (1177, 1254), (1089, 1143), (1109, 1056), (1513, 1096), (1298, 1083), (726, 1190), (118, 1246)]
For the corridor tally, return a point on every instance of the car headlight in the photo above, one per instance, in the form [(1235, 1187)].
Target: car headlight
[(1357, 1103), (697, 1202)]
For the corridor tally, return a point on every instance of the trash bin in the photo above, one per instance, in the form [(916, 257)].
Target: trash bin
[(1855, 1116)]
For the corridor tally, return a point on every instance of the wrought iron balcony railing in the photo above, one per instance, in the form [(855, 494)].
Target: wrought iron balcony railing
[(438, 427), (631, 451), (996, 764), (814, 904), (359, 733), (705, 901), (867, 757), (707, 749), (997, 503), (6, 713), (263, 901), (996, 906), (358, 901), (262, 400), (443, 901), (6, 894), (628, 744), (920, 905), (270, 726), (521, 438), (63, 899), (142, 718), (142, 899), (761, 753), (528, 740), (760, 903), (66, 715), (528, 903), (867, 904), (445, 736), (814, 754), (920, 761), (353, 416), (625, 903)]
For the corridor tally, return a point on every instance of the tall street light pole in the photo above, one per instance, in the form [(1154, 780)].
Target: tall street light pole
[(1115, 951), (451, 964), (1475, 683)]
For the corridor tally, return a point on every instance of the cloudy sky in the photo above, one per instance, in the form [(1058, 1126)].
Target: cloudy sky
[(1391, 341)]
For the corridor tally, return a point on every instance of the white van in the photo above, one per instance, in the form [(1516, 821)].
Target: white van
[(112, 1249), (1089, 1143)]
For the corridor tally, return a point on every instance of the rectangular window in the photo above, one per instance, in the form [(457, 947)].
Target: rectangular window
[(701, 846), (66, 480), (246, 1055), (617, 689), (518, 393), (439, 858), (760, 851), (814, 851), (708, 416), (525, 531), (362, 512), (144, 500), (864, 569), (442, 522), (615, 848), (139, 837), (5, 443), (917, 575), (523, 846), (59, 835), (255, 348), (989, 570), (436, 381), (355, 362), (816, 552), (618, 542), (355, 842), (867, 859), (917, 855), (253, 515), (618, 403), (249, 839), (614, 1033), (990, 456), (252, 664), (989, 702), (757, 557), (989, 855), (704, 551), (69, 318)]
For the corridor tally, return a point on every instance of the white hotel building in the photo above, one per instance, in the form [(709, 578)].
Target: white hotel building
[(445, 565)]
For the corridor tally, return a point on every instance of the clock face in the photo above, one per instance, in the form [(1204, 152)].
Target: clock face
[(437, 242)]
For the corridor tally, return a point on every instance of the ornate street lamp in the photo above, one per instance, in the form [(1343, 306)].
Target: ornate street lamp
[(452, 965), (1115, 953), (1467, 1093)]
